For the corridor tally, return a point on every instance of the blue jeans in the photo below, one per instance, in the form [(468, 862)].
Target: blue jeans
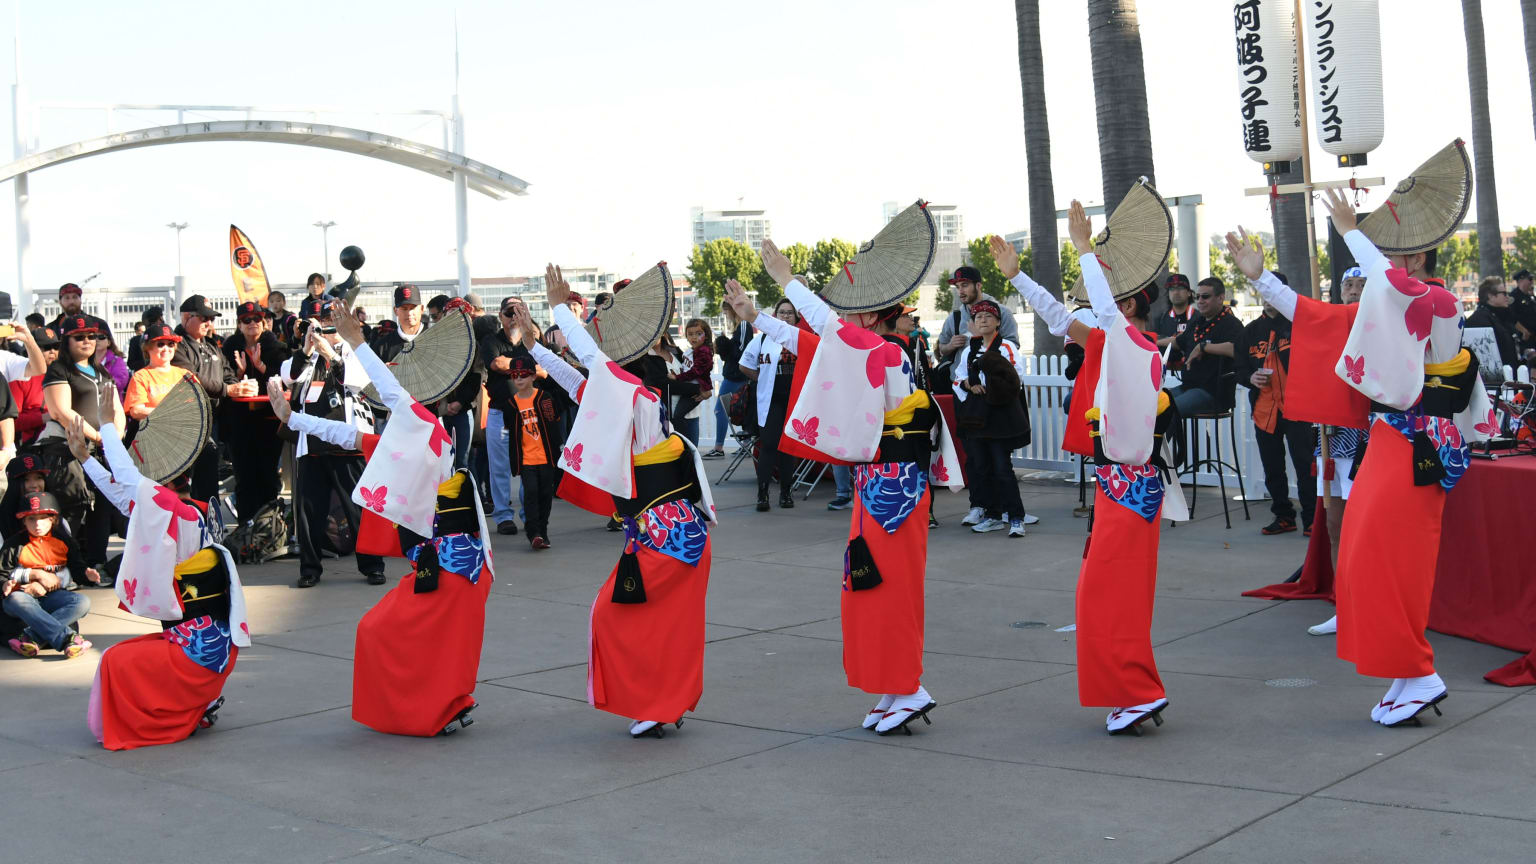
[(842, 476), (722, 422), (462, 427), (688, 429), (48, 617), (1193, 400), (501, 465)]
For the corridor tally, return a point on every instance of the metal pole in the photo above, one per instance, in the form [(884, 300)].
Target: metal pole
[(460, 201), (325, 247), (23, 192), (181, 283)]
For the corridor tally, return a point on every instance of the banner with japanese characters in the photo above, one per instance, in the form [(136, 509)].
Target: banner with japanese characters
[(1268, 86), (1345, 41)]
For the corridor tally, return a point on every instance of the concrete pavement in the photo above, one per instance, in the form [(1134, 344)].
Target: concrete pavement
[(1268, 753)]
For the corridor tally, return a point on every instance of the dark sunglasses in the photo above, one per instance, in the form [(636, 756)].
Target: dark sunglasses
[(250, 320), (82, 337), (1204, 296)]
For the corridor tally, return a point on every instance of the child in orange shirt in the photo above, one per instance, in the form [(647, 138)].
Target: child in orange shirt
[(534, 443)]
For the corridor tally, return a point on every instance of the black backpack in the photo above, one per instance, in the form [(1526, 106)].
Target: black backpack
[(261, 538)]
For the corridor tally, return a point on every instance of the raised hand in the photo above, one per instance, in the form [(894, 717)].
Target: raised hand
[(740, 302), (1005, 255), (556, 289), (522, 321), (776, 264), (347, 326), (1340, 210), (279, 399), (240, 363), (1247, 252), (1079, 228), (79, 445)]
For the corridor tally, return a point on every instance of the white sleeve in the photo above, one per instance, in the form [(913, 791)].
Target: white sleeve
[(330, 431), (1055, 315), (1276, 293), (1099, 293), (787, 335), (564, 373), (1366, 254), (120, 495), (12, 366), (576, 337), (810, 306), (391, 393), (62, 574), (118, 459), (750, 352)]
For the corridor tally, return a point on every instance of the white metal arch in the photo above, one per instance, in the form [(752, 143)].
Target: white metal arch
[(411, 154)]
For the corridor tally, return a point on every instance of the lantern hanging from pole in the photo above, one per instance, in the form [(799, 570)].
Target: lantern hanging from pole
[(1268, 88), (1345, 38)]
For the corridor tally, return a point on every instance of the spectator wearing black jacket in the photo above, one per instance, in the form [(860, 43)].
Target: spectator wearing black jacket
[(728, 347), (197, 354), (1522, 308), (136, 358), (534, 442), (1493, 312), (1261, 365), (249, 427), (1207, 348), (498, 351)]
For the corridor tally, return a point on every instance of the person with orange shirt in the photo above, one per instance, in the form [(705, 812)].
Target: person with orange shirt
[(150, 384), (534, 445)]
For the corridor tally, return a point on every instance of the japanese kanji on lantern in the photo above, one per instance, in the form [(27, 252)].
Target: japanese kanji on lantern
[(1345, 41), (1268, 87)]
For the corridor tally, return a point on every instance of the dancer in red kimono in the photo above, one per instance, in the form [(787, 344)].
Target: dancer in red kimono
[(1119, 415), (162, 687), (1397, 355), (418, 648), (856, 402), (622, 459)]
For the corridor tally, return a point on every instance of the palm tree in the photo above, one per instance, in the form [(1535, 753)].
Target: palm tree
[(1037, 154), (1290, 217), (1528, 15), (1120, 97), (1490, 255)]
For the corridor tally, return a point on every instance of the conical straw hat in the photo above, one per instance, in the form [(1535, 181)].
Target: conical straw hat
[(1427, 207), (887, 268), (434, 363), (630, 321), (1134, 243), (170, 439)]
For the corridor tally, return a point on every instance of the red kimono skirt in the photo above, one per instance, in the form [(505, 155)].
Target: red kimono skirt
[(883, 625), (646, 660), (148, 692), (1115, 591), (418, 655)]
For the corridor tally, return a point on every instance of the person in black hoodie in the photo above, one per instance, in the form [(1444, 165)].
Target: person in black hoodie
[(197, 354), (249, 427), (534, 441), (1493, 312), (1262, 360)]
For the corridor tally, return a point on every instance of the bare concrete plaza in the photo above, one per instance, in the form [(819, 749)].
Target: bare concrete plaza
[(1267, 754)]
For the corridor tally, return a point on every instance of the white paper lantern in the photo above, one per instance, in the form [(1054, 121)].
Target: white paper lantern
[(1345, 38), (1268, 88)]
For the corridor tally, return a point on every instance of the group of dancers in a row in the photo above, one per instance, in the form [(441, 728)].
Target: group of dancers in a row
[(855, 401)]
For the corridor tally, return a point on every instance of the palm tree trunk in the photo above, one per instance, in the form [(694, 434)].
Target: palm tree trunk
[(1490, 252), (1290, 217), (1120, 102), (1037, 155), (1528, 15)]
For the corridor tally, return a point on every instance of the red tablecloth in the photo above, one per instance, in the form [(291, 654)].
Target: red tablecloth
[(947, 408), (1485, 585), (1485, 581)]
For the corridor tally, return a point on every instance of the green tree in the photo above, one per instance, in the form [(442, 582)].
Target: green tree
[(944, 297), (1456, 258), (1524, 257), (1217, 262), (711, 265), (1324, 261), (1070, 269), (827, 257), (992, 280), (768, 291)]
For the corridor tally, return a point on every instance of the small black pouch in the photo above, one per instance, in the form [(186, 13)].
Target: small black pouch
[(628, 583), (859, 570), (426, 570), (1427, 468)]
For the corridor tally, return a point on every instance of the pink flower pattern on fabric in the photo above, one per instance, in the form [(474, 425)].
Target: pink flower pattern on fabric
[(374, 498), (1490, 426), (1354, 367), (439, 434), (1430, 302), (806, 431), (573, 457)]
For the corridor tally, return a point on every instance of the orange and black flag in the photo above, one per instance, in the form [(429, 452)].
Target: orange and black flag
[(246, 269)]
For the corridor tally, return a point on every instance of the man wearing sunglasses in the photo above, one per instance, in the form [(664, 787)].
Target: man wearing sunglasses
[(1493, 312), (1207, 347), (499, 351), (196, 354)]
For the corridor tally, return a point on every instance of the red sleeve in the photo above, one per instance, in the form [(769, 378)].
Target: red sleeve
[(805, 352), (1076, 439), (1314, 393)]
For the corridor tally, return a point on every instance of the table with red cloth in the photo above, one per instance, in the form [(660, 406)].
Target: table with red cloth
[(1485, 584), (1485, 580)]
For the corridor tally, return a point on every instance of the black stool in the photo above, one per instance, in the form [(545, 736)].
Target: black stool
[(1194, 460)]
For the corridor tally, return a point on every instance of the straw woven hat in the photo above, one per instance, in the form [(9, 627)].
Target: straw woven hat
[(1134, 243), (1427, 207), (430, 366), (630, 321), (170, 439), (887, 268)]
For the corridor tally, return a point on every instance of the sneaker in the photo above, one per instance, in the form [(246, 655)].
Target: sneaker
[(77, 646), (932, 522), (1030, 519), (716, 453), (539, 543), (1279, 526), (24, 647), (506, 527), (974, 516), (839, 503), (1016, 528), (989, 524), (1306, 530)]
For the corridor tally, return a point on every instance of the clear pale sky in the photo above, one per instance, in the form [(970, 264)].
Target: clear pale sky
[(622, 115)]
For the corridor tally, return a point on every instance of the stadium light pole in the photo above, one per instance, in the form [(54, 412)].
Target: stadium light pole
[(325, 247), (179, 227)]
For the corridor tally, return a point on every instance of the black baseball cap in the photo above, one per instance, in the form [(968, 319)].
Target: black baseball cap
[(69, 288), (45, 338), (966, 273), (24, 464), (1523, 274), (158, 332), (315, 307), (248, 309), (79, 324), (197, 304), (38, 504), (522, 367), (1176, 280), (407, 295)]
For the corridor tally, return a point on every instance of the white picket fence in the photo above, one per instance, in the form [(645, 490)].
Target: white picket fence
[(1047, 388)]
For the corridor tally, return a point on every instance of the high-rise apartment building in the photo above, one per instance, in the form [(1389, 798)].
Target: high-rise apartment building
[(744, 226)]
